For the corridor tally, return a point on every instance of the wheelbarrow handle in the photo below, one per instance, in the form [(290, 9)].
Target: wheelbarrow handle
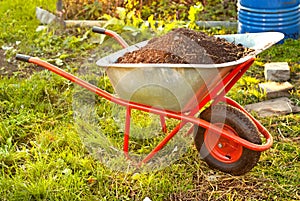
[(23, 57), (110, 33), (99, 30)]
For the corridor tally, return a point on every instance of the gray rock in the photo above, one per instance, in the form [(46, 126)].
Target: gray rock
[(277, 71), (278, 106), (276, 89)]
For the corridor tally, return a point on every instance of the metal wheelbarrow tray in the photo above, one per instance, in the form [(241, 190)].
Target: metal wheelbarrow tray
[(176, 87), (227, 136)]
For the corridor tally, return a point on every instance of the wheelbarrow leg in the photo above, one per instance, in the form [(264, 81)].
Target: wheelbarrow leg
[(163, 124), (126, 133), (163, 142)]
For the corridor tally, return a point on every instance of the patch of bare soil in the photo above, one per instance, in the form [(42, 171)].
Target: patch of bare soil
[(186, 46), (12, 68), (6, 68), (218, 188)]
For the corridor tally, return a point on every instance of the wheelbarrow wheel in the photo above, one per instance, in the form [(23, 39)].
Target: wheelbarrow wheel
[(219, 152)]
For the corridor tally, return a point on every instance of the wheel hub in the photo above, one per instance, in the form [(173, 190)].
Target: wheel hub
[(221, 148)]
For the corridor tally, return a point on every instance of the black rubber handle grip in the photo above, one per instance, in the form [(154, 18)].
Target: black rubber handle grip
[(23, 57), (98, 30)]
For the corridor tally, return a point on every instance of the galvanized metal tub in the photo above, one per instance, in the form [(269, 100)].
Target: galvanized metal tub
[(173, 86)]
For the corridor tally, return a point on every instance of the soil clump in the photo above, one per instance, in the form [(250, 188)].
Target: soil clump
[(185, 46)]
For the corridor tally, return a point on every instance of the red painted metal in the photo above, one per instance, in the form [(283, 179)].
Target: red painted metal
[(163, 142), (163, 124), (218, 92), (127, 132), (230, 81), (225, 85), (120, 40), (222, 149)]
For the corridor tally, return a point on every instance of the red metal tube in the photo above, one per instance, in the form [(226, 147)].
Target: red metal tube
[(120, 40), (127, 132), (225, 85), (230, 81), (163, 124), (163, 143)]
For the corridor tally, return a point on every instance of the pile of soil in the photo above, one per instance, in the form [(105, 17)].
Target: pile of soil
[(185, 46)]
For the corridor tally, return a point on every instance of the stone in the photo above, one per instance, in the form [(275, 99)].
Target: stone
[(273, 107), (277, 71), (276, 89)]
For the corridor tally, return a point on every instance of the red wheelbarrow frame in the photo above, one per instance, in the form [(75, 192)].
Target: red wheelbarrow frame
[(216, 95)]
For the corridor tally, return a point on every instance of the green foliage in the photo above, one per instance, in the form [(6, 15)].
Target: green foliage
[(130, 20), (288, 52), (220, 10), (18, 21), (193, 13), (162, 10), (246, 91)]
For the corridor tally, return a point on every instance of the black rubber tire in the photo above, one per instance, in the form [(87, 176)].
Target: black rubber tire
[(242, 125)]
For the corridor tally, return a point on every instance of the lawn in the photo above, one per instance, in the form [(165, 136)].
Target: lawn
[(45, 143)]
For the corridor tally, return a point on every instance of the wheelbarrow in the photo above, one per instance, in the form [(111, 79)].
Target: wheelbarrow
[(227, 137)]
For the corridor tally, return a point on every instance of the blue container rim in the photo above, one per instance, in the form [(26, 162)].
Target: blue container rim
[(269, 15), (297, 7)]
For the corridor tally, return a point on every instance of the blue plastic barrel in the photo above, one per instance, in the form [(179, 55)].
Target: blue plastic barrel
[(269, 15)]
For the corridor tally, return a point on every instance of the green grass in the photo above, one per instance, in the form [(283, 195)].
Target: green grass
[(42, 156), (18, 21)]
